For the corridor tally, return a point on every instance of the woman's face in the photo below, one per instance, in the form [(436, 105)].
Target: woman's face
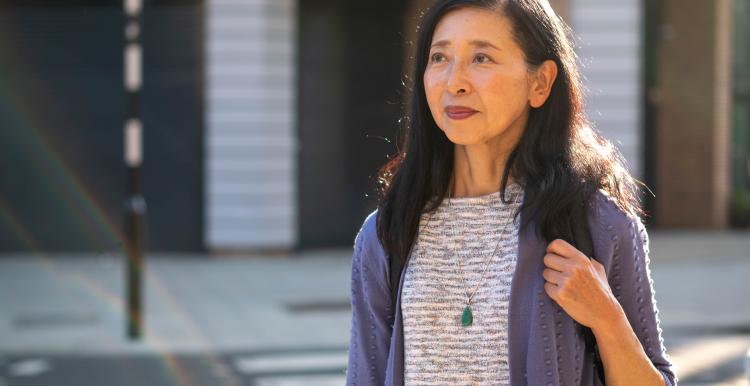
[(475, 63)]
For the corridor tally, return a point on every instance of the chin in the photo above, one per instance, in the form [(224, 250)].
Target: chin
[(460, 137)]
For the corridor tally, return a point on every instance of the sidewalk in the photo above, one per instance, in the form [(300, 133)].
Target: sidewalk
[(702, 279), (72, 305), (193, 302)]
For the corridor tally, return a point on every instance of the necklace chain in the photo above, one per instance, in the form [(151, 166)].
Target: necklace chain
[(469, 297), (467, 317)]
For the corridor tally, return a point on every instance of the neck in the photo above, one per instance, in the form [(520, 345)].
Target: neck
[(478, 170)]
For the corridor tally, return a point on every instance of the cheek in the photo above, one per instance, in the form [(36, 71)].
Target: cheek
[(430, 87), (505, 94), (432, 92)]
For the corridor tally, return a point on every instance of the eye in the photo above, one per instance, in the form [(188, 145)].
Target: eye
[(435, 57), (483, 56)]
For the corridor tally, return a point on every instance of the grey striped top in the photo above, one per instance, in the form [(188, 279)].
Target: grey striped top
[(438, 349)]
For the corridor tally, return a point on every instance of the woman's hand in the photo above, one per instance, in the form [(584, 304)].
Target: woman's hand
[(578, 284)]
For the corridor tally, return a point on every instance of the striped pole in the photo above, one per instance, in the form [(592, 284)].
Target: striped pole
[(135, 206)]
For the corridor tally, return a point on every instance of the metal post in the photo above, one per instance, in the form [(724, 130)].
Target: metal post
[(135, 205)]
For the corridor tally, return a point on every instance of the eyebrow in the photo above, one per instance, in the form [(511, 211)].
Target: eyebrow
[(477, 43)]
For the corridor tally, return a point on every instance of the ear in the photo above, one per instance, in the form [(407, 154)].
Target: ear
[(541, 83)]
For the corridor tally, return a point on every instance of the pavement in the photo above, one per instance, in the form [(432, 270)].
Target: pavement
[(284, 320)]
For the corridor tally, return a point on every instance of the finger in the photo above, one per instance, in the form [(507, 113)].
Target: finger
[(555, 262), (551, 290), (562, 248), (566, 250), (552, 276)]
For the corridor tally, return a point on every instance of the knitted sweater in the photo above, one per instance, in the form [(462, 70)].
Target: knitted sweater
[(438, 348), (545, 345)]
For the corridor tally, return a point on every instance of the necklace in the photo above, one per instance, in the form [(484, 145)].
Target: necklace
[(467, 317)]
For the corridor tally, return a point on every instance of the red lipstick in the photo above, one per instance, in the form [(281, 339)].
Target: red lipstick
[(459, 112)]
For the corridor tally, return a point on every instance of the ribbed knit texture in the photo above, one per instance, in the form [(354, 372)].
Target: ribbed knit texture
[(545, 346), (438, 349)]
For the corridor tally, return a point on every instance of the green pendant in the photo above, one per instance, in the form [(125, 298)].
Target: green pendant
[(467, 317)]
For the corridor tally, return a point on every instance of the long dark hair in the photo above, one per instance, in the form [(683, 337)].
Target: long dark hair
[(560, 159)]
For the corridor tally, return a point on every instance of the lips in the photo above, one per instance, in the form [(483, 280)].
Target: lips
[(459, 112)]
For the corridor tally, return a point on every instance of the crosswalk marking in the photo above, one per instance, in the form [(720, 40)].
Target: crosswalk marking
[(296, 362), (300, 380), (29, 367)]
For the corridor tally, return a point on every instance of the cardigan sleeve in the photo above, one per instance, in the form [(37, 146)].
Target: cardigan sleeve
[(632, 285), (371, 324)]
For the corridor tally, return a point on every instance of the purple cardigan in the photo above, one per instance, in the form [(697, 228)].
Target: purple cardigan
[(544, 343)]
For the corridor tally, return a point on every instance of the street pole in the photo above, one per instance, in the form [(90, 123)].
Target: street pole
[(135, 205)]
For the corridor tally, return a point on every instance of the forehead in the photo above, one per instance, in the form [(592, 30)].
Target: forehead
[(470, 23)]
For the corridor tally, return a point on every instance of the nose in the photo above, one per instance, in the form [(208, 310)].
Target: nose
[(457, 82)]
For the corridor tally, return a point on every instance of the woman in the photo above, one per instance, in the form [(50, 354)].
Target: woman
[(497, 172)]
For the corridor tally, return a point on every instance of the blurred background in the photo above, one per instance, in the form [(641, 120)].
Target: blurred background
[(230, 147)]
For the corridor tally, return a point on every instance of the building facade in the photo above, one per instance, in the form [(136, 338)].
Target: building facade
[(265, 121)]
